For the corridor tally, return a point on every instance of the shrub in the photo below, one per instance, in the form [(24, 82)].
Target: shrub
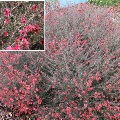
[(22, 25), (105, 2), (24, 84), (84, 41), (77, 77)]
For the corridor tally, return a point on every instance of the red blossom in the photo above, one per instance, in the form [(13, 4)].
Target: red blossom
[(7, 21), (6, 12), (34, 7), (57, 115), (42, 42), (118, 64), (26, 43), (68, 110), (9, 48), (23, 19), (6, 34), (36, 28)]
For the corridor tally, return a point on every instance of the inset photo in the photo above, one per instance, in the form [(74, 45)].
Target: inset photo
[(22, 25)]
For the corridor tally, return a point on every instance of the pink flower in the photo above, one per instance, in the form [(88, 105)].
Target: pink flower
[(6, 12), (23, 32), (10, 67), (42, 42), (23, 19), (26, 43), (17, 47), (36, 29), (39, 101), (97, 95), (85, 105), (89, 83), (9, 48), (68, 110), (34, 7), (29, 28), (7, 21), (57, 115), (39, 118), (6, 34), (118, 64), (65, 79)]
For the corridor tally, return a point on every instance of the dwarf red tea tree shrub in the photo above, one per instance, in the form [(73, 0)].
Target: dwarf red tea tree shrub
[(77, 77), (24, 22), (24, 82), (84, 42)]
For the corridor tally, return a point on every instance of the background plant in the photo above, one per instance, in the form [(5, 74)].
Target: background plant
[(105, 2), (51, 2), (21, 14)]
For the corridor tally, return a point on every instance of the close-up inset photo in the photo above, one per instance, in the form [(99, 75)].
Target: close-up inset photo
[(22, 25), (76, 77)]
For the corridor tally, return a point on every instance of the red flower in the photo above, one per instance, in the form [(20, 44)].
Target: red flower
[(36, 29), (7, 21), (14, 48), (29, 28), (34, 7), (42, 42), (17, 47), (9, 48), (57, 115), (6, 12), (118, 64), (23, 19), (68, 110), (85, 105), (39, 101), (39, 118), (26, 43), (80, 10), (6, 34)]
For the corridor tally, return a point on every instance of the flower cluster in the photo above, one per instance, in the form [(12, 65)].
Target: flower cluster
[(22, 41), (23, 19), (34, 7), (6, 12)]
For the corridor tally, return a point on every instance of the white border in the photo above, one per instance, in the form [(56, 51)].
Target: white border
[(43, 28)]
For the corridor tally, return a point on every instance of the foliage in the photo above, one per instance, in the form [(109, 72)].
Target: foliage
[(105, 2), (52, 2)]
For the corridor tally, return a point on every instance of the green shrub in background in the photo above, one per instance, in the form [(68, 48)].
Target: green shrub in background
[(52, 2), (105, 2)]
